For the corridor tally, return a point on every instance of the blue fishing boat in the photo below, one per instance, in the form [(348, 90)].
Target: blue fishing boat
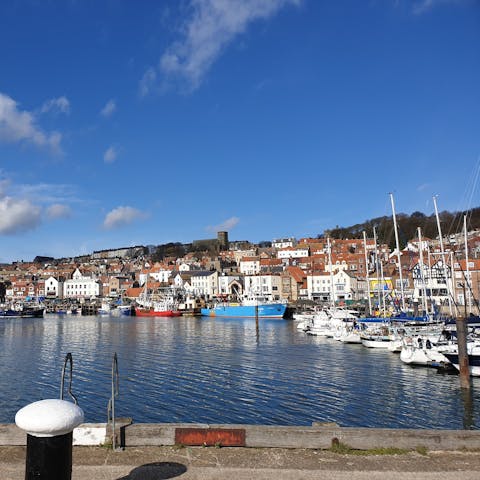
[(251, 307)]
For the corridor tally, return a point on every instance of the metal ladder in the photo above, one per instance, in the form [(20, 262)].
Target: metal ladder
[(114, 391), (68, 358), (111, 402)]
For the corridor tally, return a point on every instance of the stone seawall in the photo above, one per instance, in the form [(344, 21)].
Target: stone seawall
[(318, 436)]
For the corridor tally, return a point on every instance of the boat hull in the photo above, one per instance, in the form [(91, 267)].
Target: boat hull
[(274, 310), (473, 363), (30, 313), (139, 312)]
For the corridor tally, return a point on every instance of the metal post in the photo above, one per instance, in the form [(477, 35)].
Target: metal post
[(463, 364), (49, 425)]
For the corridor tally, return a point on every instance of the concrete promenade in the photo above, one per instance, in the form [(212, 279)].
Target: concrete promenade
[(238, 463), (199, 451)]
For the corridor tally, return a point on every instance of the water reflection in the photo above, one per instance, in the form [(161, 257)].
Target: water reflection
[(223, 371)]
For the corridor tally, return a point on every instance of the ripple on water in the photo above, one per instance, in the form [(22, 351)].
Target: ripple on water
[(222, 371)]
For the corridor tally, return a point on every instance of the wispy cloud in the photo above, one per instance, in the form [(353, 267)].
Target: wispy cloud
[(45, 193), (211, 27), (109, 109), (227, 225), (122, 216), (58, 211), (110, 155), (20, 126), (424, 6), (423, 187), (56, 105), (147, 82)]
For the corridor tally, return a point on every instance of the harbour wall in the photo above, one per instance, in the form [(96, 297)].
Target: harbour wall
[(317, 436)]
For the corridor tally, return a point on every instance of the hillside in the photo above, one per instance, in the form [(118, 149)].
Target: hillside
[(407, 226)]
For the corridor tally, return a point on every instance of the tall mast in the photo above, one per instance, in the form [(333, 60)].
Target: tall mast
[(443, 254), (383, 291), (467, 290), (452, 270), (430, 277), (397, 243), (366, 273), (377, 266), (422, 271), (329, 247)]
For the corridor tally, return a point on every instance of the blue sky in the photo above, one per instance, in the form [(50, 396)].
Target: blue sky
[(125, 123)]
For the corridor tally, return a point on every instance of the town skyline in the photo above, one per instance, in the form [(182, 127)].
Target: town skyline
[(136, 124)]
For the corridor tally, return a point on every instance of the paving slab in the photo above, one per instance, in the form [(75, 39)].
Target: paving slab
[(236, 463)]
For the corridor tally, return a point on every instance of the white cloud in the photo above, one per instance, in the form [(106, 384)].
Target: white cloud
[(17, 126), (58, 210), (108, 109), (56, 105), (213, 25), (122, 216), (225, 226), (110, 155), (18, 215)]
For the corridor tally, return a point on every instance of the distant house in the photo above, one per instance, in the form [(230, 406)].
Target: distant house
[(250, 265), (279, 243), (53, 288), (341, 284), (293, 252)]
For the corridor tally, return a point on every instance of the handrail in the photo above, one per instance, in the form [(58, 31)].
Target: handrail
[(115, 391), (68, 358)]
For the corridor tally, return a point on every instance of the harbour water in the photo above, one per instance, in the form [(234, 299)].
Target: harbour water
[(215, 370)]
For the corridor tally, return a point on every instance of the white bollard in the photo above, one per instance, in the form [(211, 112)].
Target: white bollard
[(49, 425)]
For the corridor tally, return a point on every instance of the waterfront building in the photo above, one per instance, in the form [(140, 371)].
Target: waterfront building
[(434, 279), (53, 288), (341, 284), (80, 286), (230, 285), (268, 286), (204, 283), (293, 281)]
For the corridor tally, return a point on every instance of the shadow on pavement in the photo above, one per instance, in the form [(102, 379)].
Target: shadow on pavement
[(156, 471)]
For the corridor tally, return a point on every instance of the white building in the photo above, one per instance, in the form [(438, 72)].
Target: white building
[(205, 283), (434, 281), (263, 285), (230, 285), (160, 274), (250, 265), (291, 252), (279, 243), (80, 287), (341, 284), (53, 288)]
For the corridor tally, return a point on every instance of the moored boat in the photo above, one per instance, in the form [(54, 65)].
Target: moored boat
[(158, 309), (25, 313), (247, 308)]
